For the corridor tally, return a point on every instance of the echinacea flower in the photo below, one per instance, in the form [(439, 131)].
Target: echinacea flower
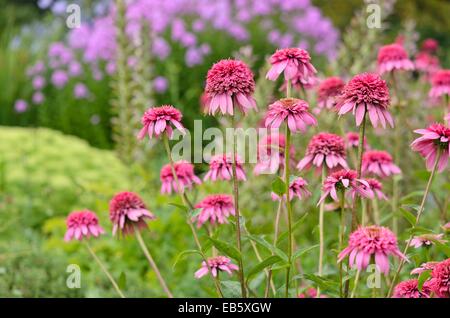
[(434, 138), (440, 279), (185, 174), (229, 83), (446, 226), (426, 240), (271, 151), (430, 45), (324, 148), (158, 120), (426, 63), (410, 289), (366, 93), (294, 62), (344, 180), (216, 264), (369, 242), (293, 111), (82, 224), (440, 84), (376, 187), (215, 208), (328, 90), (311, 293), (127, 211), (352, 140), (393, 57), (221, 168), (297, 188), (379, 163), (424, 267)]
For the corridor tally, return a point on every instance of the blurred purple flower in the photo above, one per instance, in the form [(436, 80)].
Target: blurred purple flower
[(160, 84), (80, 91), (20, 106), (38, 82), (38, 98), (59, 78)]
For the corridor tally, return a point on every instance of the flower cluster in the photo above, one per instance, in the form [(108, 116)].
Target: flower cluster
[(184, 174)]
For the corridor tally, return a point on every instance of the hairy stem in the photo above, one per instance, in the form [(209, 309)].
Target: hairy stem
[(107, 273), (275, 239), (321, 228), (190, 207), (419, 213), (238, 216), (341, 240), (152, 262)]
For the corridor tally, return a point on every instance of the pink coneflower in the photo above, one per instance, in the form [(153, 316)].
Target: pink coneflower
[(379, 163), (426, 63), (440, 84), (344, 180), (157, 120), (435, 137), (311, 293), (299, 83), (271, 151), (409, 289), (369, 241), (440, 279), (426, 240), (366, 92), (82, 224), (291, 110), (215, 208), (352, 140), (297, 188), (430, 46), (424, 267), (376, 187), (294, 62), (393, 57), (216, 264), (127, 210), (324, 148), (446, 226), (221, 168), (328, 90), (185, 175), (59, 78), (230, 83), (20, 106)]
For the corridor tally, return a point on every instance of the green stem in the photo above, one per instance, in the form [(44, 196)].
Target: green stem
[(362, 132), (238, 217), (152, 262), (275, 239), (99, 262), (419, 213), (376, 211), (341, 239), (190, 207), (288, 205), (321, 228), (355, 285)]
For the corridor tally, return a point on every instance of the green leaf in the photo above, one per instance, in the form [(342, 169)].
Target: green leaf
[(231, 289), (323, 283), (226, 248), (278, 186), (195, 212), (408, 216), (261, 266), (179, 206), (183, 254), (422, 279), (122, 280), (275, 250), (302, 251), (444, 248), (412, 195)]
